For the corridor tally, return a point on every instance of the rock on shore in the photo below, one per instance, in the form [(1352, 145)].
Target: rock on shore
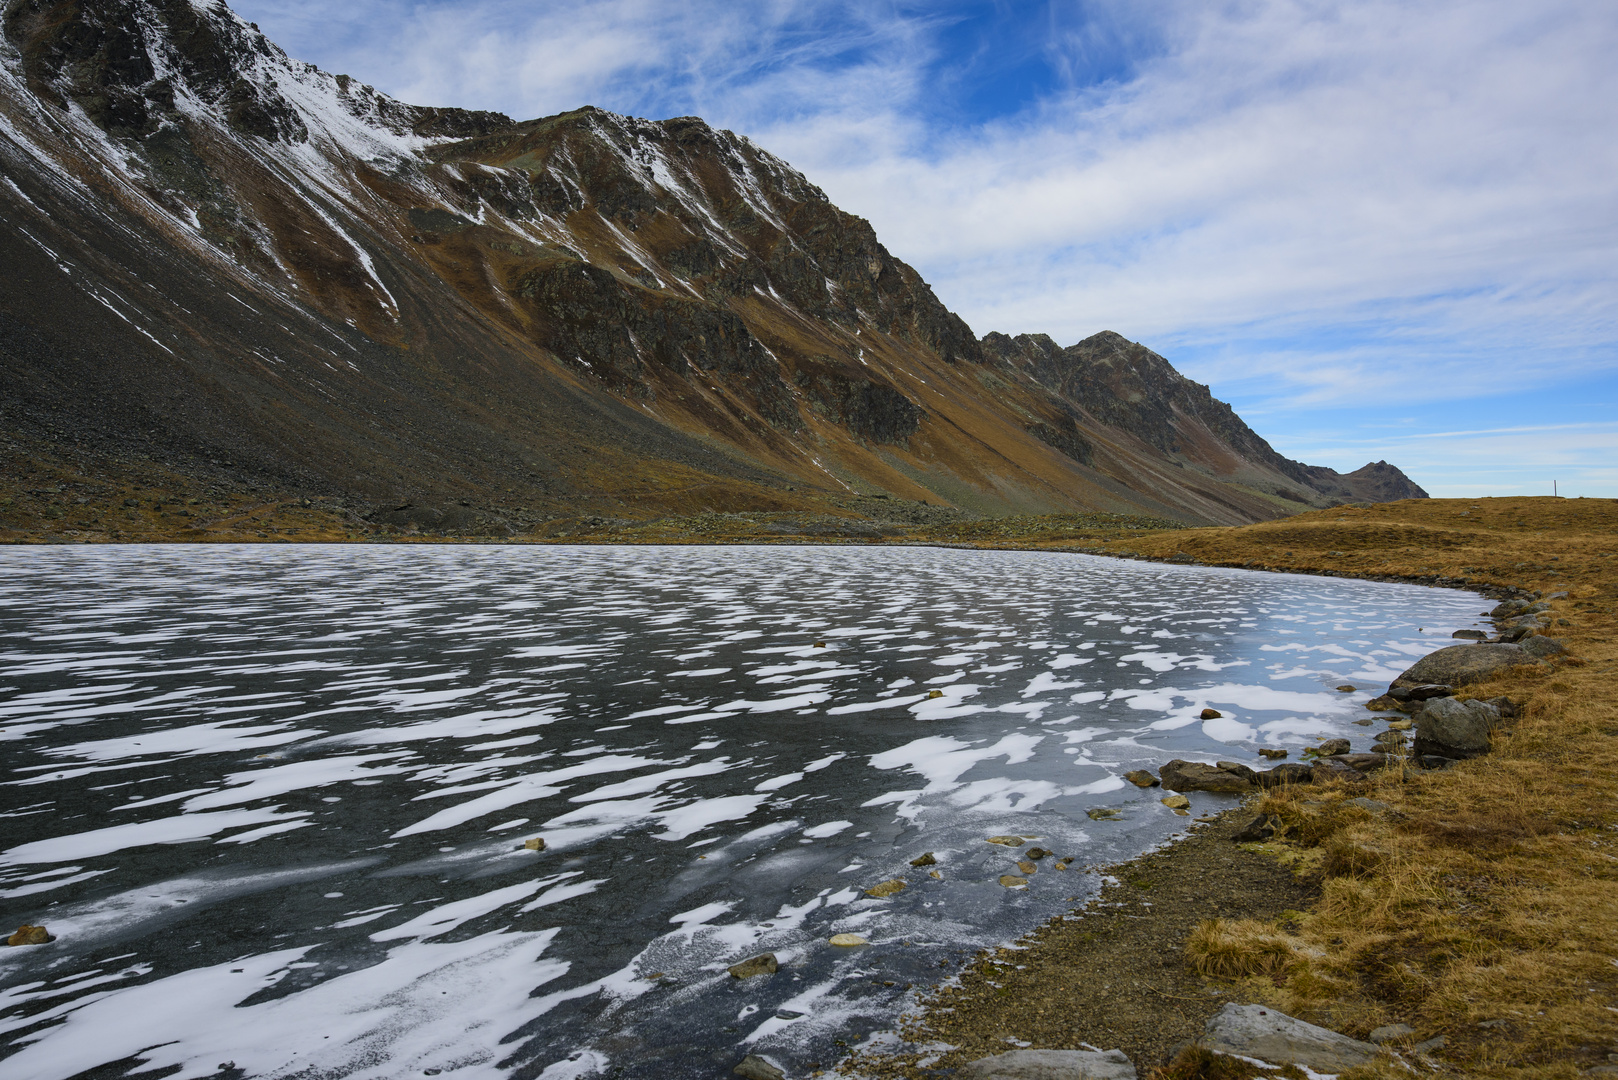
[(1257, 1031), (1455, 729), (1457, 665), (1180, 775)]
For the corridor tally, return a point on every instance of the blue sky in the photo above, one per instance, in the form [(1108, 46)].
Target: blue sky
[(1381, 230)]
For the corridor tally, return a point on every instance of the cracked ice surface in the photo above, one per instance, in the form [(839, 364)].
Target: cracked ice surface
[(272, 801)]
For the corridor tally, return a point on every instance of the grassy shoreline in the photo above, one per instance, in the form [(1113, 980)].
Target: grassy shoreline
[(1480, 905), (1476, 905)]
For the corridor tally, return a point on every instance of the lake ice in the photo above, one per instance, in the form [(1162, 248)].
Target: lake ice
[(272, 801)]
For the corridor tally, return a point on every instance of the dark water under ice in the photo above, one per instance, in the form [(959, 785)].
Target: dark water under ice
[(272, 801)]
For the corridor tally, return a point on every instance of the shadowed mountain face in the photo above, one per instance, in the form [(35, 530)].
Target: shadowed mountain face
[(227, 265)]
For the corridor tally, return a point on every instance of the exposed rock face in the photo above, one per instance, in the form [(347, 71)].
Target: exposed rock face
[(287, 278)]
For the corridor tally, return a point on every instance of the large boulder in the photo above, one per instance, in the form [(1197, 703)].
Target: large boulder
[(1455, 729), (1195, 776), (1051, 1065), (1257, 1031), (1458, 665)]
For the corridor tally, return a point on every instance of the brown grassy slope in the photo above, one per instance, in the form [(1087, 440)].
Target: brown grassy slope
[(1482, 904), (1527, 543), (1530, 543)]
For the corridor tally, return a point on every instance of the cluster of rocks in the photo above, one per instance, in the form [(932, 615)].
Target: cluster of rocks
[(1027, 861), (1523, 622), (1255, 1035), (1445, 728), (1331, 760)]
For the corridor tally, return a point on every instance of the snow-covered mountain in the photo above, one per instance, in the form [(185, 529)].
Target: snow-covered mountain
[(227, 265)]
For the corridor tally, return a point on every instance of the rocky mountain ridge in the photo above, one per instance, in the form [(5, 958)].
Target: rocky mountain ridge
[(236, 268)]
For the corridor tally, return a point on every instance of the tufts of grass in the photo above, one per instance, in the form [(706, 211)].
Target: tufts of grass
[(1238, 948)]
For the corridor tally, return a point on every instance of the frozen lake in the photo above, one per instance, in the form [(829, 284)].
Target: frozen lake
[(272, 801)]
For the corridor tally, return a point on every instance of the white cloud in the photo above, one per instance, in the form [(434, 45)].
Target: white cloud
[(1440, 173)]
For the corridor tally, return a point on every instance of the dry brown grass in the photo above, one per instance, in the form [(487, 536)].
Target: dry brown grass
[(1238, 948), (1483, 904)]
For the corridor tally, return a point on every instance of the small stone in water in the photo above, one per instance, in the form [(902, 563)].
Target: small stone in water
[(1028, 867), (1347, 689), (1272, 755), (30, 935), (536, 844), (1141, 778), (1011, 881), (924, 860), (1008, 841), (934, 693), (1211, 714), (754, 1067), (763, 964), (820, 644), (1037, 853), (1176, 802), (886, 888), (935, 874), (848, 940)]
